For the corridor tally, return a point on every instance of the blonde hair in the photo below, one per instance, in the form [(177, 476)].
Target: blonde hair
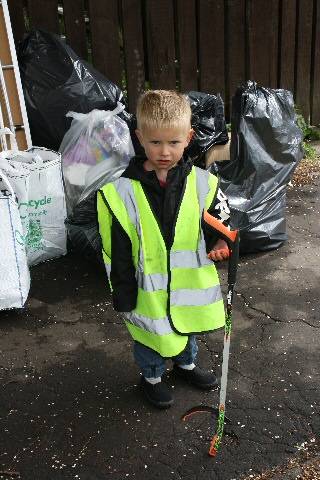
[(163, 109)]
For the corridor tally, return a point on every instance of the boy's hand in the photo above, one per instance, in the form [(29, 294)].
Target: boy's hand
[(219, 252)]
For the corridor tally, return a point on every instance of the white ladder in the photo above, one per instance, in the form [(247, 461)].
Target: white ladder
[(13, 114)]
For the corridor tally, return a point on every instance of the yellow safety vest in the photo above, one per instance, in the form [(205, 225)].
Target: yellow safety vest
[(178, 289)]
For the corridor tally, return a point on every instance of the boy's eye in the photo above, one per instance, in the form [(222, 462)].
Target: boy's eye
[(174, 142), (154, 142)]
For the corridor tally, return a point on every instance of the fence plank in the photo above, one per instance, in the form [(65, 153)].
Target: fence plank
[(161, 44), (315, 107), (16, 19), (236, 53), (187, 44), (44, 14), (133, 50), (263, 19), (73, 12), (305, 10), (104, 26), (211, 46), (288, 44)]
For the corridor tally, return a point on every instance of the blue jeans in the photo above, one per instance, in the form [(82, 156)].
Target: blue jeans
[(152, 364)]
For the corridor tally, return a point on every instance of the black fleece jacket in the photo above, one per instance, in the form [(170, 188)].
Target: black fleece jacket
[(164, 202)]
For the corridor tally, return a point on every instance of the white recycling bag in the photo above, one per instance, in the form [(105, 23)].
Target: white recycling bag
[(14, 271), (36, 178)]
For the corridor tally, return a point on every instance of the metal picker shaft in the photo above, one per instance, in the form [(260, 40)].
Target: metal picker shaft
[(216, 440), (232, 238)]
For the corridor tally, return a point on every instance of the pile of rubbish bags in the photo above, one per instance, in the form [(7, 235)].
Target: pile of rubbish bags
[(59, 87), (38, 187), (87, 139), (55, 81)]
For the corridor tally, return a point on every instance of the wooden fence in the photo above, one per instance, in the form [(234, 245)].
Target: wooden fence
[(206, 45)]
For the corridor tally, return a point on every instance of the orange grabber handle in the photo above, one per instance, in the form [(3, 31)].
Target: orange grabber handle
[(232, 239), (229, 235)]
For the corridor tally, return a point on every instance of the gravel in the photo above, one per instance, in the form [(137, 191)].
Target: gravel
[(304, 466)]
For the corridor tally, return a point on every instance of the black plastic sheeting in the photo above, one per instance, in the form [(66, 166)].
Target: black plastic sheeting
[(55, 81), (82, 224), (265, 149), (208, 123), (83, 228)]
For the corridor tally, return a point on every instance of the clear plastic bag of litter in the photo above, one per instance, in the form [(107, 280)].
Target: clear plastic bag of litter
[(266, 147), (96, 142)]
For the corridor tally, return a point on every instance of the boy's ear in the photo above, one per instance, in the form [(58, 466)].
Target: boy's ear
[(190, 135), (139, 135)]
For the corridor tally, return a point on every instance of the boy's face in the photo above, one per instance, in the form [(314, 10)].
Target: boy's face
[(164, 146)]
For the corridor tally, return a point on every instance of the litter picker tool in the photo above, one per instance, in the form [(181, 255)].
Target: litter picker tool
[(232, 239)]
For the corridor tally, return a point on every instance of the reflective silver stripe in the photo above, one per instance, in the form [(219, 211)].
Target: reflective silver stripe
[(152, 282), (124, 188), (189, 297), (160, 326), (189, 259), (202, 187), (108, 268)]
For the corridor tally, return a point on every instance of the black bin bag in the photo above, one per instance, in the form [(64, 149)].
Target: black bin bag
[(82, 223), (83, 229), (265, 149), (208, 123), (55, 81)]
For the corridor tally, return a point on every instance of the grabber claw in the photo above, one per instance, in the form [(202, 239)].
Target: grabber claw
[(203, 409)]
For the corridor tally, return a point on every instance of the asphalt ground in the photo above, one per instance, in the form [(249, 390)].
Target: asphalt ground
[(71, 407)]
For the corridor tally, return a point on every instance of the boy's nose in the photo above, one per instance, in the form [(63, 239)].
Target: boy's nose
[(165, 150)]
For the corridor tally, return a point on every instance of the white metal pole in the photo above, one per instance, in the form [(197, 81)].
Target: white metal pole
[(3, 87), (16, 72), (3, 139)]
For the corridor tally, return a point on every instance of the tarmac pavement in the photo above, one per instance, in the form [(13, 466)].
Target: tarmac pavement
[(71, 407)]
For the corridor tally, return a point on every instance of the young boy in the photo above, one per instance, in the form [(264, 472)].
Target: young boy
[(157, 249)]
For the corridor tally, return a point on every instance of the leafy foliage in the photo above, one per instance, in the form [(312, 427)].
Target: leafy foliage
[(310, 133)]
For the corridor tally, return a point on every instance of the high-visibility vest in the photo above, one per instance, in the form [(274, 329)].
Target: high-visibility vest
[(178, 288)]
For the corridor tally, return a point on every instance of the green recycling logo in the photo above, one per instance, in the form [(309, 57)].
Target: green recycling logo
[(34, 236), (33, 240), (31, 213)]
